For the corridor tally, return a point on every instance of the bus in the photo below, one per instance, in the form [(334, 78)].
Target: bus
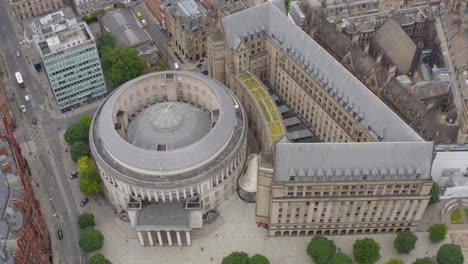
[(139, 15), (19, 79)]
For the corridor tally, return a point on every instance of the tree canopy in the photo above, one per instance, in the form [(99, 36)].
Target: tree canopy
[(76, 132), (90, 182), (437, 232), (340, 258), (79, 149), (434, 193), (86, 220), (86, 121), (426, 260), (320, 249), (105, 40), (122, 64), (450, 254), (366, 251), (91, 239), (405, 242), (236, 258), (258, 259), (98, 259), (395, 261)]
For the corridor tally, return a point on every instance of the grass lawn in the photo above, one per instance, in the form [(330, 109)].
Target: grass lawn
[(456, 217), (466, 212), (265, 111)]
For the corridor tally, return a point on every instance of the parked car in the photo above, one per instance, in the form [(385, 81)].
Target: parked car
[(60, 234), (34, 121), (23, 108), (84, 201), (205, 72), (27, 98), (74, 175), (199, 65)]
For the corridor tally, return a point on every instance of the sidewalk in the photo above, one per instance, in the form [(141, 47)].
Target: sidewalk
[(236, 231)]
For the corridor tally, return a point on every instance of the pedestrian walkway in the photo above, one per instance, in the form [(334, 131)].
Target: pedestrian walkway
[(235, 230)]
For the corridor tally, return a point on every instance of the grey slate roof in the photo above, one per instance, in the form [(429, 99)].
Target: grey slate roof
[(267, 19), (350, 161), (164, 163), (163, 216), (396, 44), (124, 26)]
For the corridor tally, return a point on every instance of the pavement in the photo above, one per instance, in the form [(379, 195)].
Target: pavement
[(234, 230)]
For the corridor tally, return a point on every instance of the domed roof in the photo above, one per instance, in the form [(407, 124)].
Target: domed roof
[(166, 117)]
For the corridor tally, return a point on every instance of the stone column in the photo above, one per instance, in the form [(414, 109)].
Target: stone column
[(169, 238), (159, 238), (170, 196), (177, 195), (156, 198), (163, 196), (140, 237), (149, 195), (150, 237), (185, 194), (179, 241), (187, 237)]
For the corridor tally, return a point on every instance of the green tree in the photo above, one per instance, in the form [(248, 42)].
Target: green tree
[(107, 40), (450, 254), (86, 121), (320, 249), (90, 182), (340, 258), (426, 260), (258, 259), (119, 5), (98, 259), (79, 149), (437, 232), (287, 4), (76, 132), (395, 261), (434, 193), (366, 251), (405, 242), (122, 64), (86, 220), (91, 239), (236, 258)]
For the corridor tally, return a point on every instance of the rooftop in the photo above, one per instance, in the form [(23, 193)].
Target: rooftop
[(269, 110), (370, 112), (164, 216), (168, 126), (352, 161), (125, 27), (189, 8), (396, 44)]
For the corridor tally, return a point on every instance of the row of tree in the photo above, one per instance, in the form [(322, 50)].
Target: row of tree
[(120, 64), (243, 258), (91, 239), (367, 251), (77, 135)]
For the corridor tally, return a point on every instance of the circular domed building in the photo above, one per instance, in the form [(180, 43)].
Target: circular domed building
[(169, 140)]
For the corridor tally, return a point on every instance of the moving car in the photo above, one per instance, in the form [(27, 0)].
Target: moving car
[(74, 175), (60, 234), (23, 108), (34, 121), (17, 54), (27, 98), (84, 201)]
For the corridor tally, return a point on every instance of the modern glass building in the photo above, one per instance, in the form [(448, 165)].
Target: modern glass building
[(71, 60)]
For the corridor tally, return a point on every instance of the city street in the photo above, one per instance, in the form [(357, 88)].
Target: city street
[(42, 140)]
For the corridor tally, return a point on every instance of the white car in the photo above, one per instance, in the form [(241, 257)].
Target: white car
[(27, 98), (23, 108)]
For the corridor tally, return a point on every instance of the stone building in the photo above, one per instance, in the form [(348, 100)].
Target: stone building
[(187, 135), (364, 177), (191, 25), (28, 8), (83, 7), (162, 11)]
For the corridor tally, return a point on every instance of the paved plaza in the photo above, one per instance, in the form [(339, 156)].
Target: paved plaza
[(234, 230)]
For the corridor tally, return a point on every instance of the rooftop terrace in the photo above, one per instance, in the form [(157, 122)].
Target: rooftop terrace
[(269, 110)]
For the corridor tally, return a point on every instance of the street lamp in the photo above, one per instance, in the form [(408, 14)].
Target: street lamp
[(53, 208)]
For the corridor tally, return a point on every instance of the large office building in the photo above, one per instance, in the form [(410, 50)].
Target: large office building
[(71, 61), (28, 8), (187, 135), (368, 173), (83, 7)]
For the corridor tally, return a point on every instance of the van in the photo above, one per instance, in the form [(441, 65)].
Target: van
[(17, 54), (26, 97), (23, 108)]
